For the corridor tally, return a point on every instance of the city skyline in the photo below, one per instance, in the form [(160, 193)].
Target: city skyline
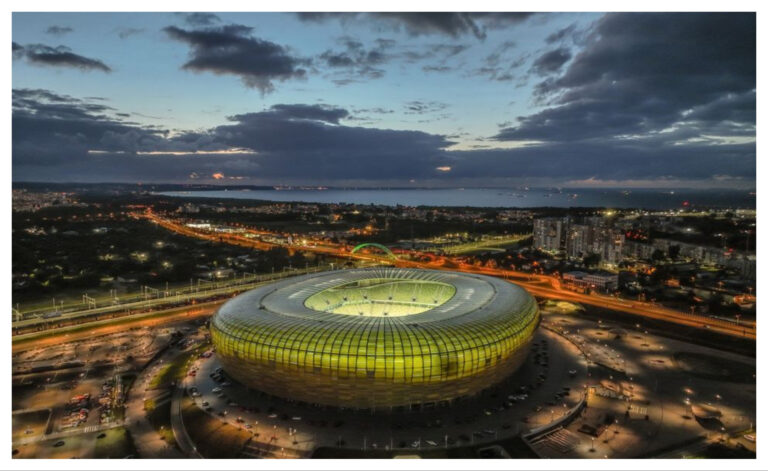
[(432, 99)]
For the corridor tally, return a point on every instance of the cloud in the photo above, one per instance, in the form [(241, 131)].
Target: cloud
[(424, 107), (354, 54), (560, 162), (436, 68), (322, 113), (500, 65), (60, 56), (125, 32), (649, 96), (562, 34), (200, 18), (56, 30), (51, 129), (644, 75), (58, 137), (231, 49), (551, 61), (428, 23), (355, 62)]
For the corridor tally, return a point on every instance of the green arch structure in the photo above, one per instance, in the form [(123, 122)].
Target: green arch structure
[(378, 246)]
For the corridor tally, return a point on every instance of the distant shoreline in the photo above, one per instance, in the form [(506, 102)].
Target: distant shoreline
[(490, 197)]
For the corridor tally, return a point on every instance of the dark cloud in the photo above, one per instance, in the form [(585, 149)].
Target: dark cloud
[(500, 65), (353, 55), (323, 113), (551, 61), (319, 17), (53, 134), (54, 130), (612, 162), (60, 56), (374, 110), (231, 49), (427, 23), (436, 68), (123, 33), (423, 107), (650, 96), (385, 43), (441, 53), (56, 30), (200, 18), (562, 34), (54, 137), (450, 24), (499, 53), (355, 62), (642, 73)]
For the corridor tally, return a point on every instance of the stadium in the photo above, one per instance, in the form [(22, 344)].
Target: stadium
[(377, 337)]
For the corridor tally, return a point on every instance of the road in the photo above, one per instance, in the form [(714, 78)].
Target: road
[(158, 300), (68, 433), (147, 440), (177, 422), (53, 338), (542, 286)]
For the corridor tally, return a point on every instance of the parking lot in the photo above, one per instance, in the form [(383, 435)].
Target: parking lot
[(548, 385)]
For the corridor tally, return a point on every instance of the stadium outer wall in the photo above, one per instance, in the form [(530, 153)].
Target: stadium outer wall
[(383, 362)]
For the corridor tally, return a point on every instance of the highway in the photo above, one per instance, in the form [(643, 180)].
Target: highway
[(542, 286), (59, 336), (158, 300)]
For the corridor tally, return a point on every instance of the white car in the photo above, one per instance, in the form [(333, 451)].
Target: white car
[(216, 390), (750, 438)]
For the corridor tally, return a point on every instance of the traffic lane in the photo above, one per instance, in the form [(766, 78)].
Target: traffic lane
[(57, 339)]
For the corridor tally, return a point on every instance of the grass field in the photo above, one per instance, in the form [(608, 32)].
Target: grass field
[(174, 371), (116, 443), (34, 422), (159, 415)]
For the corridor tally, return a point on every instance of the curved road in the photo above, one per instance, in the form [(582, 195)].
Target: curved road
[(538, 285)]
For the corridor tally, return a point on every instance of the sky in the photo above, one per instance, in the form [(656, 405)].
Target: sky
[(648, 100)]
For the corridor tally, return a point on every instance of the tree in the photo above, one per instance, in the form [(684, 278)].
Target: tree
[(592, 260), (658, 255)]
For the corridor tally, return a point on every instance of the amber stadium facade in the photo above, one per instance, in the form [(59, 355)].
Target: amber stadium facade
[(377, 337)]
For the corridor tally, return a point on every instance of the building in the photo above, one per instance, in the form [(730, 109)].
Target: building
[(592, 238), (580, 241), (380, 337), (549, 234), (591, 281)]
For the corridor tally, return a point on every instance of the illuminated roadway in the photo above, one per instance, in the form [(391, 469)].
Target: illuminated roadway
[(539, 285)]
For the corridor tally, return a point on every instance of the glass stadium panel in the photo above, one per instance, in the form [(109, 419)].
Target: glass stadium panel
[(376, 337)]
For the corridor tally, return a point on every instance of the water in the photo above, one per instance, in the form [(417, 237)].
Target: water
[(496, 198)]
